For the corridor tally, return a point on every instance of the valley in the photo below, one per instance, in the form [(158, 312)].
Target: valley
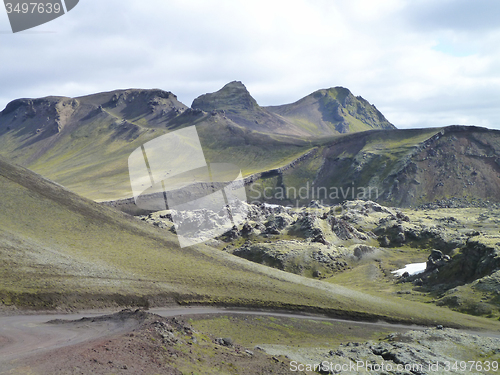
[(337, 199)]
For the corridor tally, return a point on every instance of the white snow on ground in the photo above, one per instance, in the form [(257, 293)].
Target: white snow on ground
[(268, 205), (412, 269)]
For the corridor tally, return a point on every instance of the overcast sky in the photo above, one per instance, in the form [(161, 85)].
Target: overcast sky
[(421, 62)]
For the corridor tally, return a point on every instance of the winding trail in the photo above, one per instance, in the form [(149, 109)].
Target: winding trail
[(22, 336)]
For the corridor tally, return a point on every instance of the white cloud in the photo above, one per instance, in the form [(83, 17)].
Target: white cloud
[(423, 63)]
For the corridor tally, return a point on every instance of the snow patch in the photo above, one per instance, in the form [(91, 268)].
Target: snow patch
[(412, 269)]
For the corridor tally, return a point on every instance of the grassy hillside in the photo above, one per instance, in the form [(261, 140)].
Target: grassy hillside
[(333, 111), (85, 143), (399, 167), (59, 250)]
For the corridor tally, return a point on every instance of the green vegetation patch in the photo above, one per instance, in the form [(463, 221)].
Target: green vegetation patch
[(252, 330)]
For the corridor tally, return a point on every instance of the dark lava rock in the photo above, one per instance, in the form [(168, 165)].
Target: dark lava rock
[(384, 241), (362, 250), (436, 260), (224, 341), (247, 229), (232, 234)]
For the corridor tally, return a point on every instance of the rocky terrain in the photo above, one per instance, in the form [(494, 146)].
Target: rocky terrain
[(315, 240), (431, 351), (463, 257), (321, 232), (140, 342)]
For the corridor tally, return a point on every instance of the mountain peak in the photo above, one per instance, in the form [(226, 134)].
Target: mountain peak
[(339, 93), (235, 84), (335, 109), (232, 97)]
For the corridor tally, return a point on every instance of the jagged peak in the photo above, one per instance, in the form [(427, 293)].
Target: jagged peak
[(233, 96), (49, 103), (235, 84), (131, 91)]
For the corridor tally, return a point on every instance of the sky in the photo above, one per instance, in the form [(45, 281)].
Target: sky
[(422, 63)]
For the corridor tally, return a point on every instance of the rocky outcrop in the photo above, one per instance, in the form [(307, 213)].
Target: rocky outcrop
[(479, 258), (235, 102), (396, 230), (436, 260), (307, 259), (438, 350), (232, 98), (344, 230), (475, 263), (153, 106), (45, 117)]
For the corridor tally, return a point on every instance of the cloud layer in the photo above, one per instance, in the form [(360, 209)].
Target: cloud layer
[(422, 63)]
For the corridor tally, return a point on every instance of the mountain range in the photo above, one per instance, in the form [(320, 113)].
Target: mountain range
[(330, 146), (60, 249)]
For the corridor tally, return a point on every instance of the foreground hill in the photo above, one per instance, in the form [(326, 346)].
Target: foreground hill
[(144, 343), (59, 250)]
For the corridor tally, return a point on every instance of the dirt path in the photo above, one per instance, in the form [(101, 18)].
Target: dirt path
[(26, 335), (23, 336)]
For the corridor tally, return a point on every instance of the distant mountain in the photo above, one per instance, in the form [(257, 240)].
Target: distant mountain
[(397, 167), (323, 113), (84, 143), (334, 110)]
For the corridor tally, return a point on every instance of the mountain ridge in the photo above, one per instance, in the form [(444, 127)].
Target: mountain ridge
[(334, 108), (84, 142), (334, 111), (156, 108)]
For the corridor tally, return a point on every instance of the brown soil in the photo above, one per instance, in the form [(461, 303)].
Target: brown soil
[(156, 345)]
